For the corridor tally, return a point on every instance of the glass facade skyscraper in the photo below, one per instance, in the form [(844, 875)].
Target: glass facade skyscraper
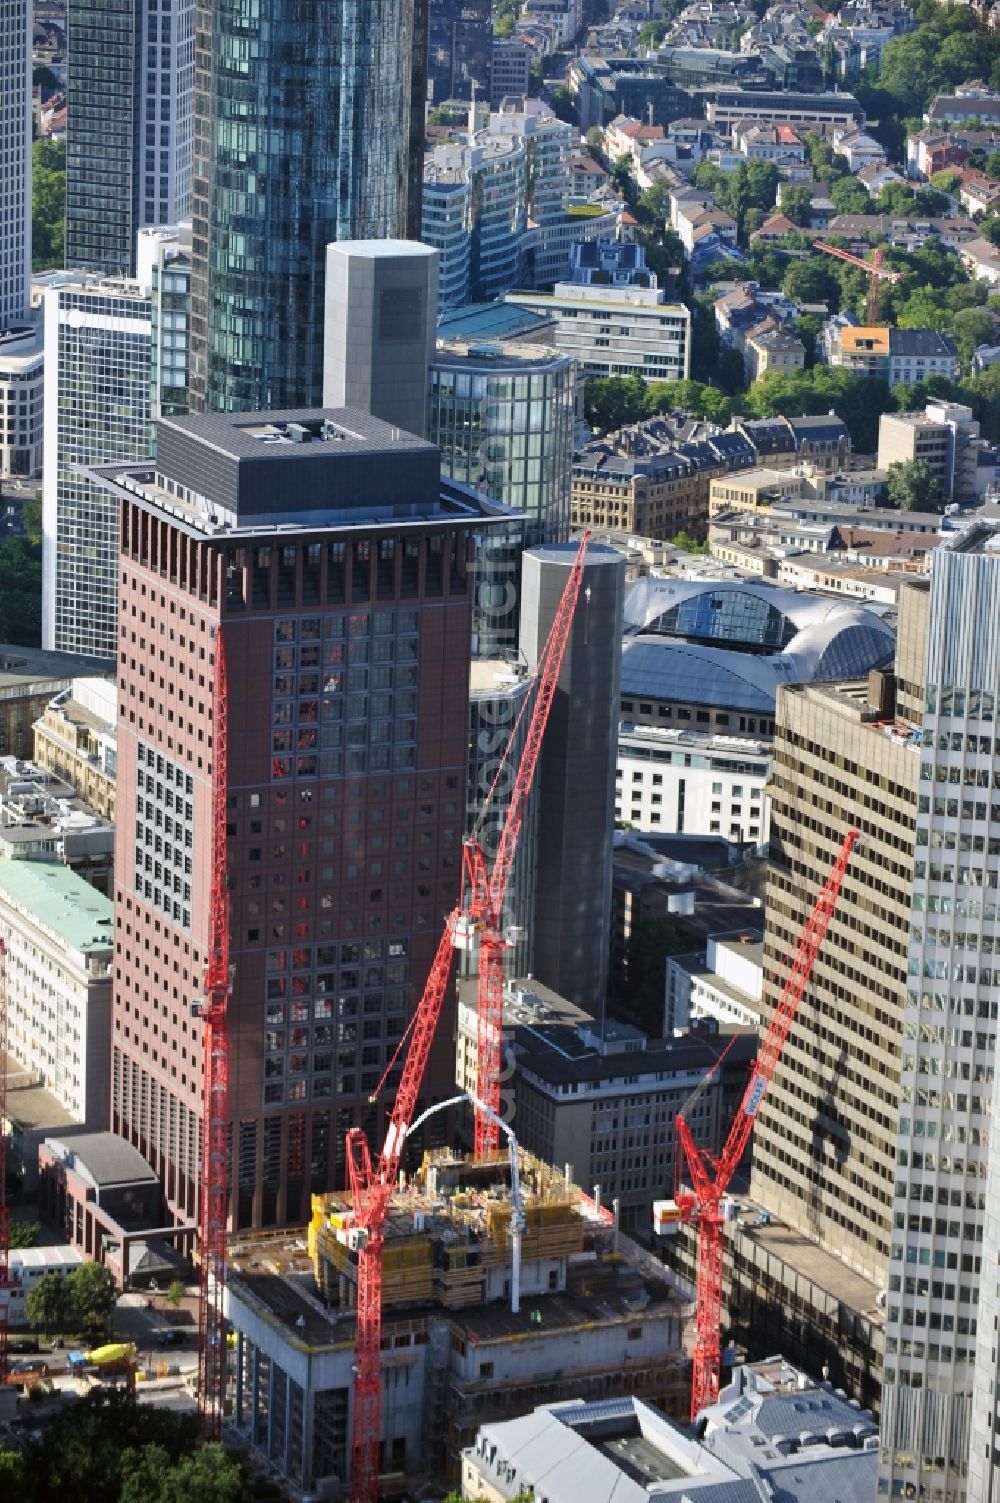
[(306, 124), (15, 179), (128, 135)]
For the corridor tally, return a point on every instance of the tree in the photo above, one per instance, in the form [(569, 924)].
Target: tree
[(83, 1450), (93, 1294), (970, 328), (563, 104), (621, 172), (812, 281), (652, 34), (175, 1293), (20, 591), (796, 203), (595, 139), (654, 202), (610, 401), (207, 1476), (849, 196), (47, 1301), (651, 943), (913, 486), (24, 1234), (48, 203), (685, 543)]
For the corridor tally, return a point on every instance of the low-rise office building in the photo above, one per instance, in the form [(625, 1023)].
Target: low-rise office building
[(29, 677), (22, 369), (946, 436), (773, 1432), (724, 981), (614, 318), (60, 940), (690, 782)]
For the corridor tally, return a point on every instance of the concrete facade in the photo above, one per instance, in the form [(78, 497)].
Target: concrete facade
[(15, 182), (575, 783), (22, 366), (380, 317), (75, 738)]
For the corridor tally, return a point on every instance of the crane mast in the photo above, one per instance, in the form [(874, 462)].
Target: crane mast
[(710, 1176), (213, 1202), (478, 910), (876, 270)]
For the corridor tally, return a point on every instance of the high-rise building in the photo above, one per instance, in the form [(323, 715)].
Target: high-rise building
[(459, 54), (164, 266), (504, 416), (97, 342), (381, 313), (575, 785), (304, 134), (942, 1273), (337, 564), (15, 179), (130, 84)]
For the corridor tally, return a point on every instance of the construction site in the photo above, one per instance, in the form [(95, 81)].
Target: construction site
[(474, 1327)]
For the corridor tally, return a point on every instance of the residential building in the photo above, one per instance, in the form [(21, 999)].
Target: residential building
[(457, 1355), (929, 151), (768, 143), (653, 490), (475, 214), (336, 97), (982, 260), (59, 936), (692, 782), (510, 73), (613, 318), (575, 779), (773, 1428), (97, 401), (900, 357), (15, 181), (27, 1266), (503, 416), (381, 312), (459, 50), (858, 149), (771, 350), (588, 175), (966, 105), (74, 737), (22, 364), (343, 649), (978, 192), (945, 436), (130, 87)]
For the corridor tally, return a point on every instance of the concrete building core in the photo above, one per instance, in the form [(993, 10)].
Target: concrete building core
[(378, 339)]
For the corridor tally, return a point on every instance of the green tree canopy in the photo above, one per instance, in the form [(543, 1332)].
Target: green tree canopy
[(24, 1233), (47, 1301), (913, 486), (849, 196), (209, 1475), (93, 1294), (969, 328), (48, 203), (812, 281), (796, 203)]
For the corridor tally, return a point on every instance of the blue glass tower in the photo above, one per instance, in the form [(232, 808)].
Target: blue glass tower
[(308, 129)]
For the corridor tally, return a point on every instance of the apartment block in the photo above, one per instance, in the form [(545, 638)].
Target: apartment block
[(345, 633), (945, 436)]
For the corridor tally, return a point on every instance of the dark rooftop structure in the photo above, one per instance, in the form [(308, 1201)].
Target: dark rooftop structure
[(106, 1160), (314, 468)]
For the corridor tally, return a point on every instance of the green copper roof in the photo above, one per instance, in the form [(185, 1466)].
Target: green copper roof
[(62, 902)]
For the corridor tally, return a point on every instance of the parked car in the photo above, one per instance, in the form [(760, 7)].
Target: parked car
[(172, 1338), (24, 1344)]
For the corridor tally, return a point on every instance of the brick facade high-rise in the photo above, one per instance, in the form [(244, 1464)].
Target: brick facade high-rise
[(338, 565)]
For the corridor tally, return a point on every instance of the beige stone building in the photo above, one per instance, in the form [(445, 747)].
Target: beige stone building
[(29, 677), (772, 350), (756, 490), (75, 737), (656, 496)]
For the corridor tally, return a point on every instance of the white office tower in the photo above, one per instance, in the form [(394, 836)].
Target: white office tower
[(942, 1283), (15, 161), (97, 410)]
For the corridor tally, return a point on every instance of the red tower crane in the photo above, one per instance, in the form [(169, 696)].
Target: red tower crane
[(876, 270), (5, 1280), (711, 1176), (478, 911), (213, 1204), (485, 892)]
